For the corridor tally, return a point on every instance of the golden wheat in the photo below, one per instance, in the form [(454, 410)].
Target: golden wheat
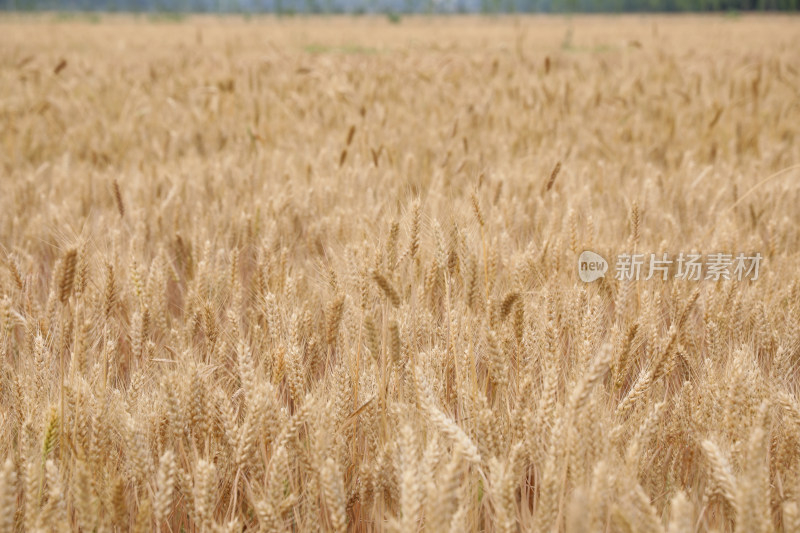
[(321, 274)]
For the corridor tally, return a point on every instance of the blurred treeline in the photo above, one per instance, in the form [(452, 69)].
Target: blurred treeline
[(394, 8)]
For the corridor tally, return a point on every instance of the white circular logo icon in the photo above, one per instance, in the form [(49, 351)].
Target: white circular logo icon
[(591, 266)]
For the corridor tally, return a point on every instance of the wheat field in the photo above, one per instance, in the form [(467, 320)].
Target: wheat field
[(321, 274)]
